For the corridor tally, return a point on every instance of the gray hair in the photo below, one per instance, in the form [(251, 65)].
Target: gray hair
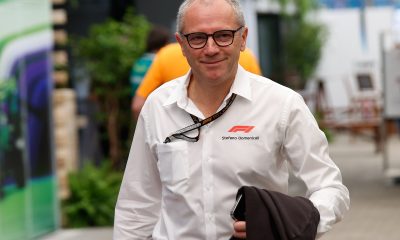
[(235, 4)]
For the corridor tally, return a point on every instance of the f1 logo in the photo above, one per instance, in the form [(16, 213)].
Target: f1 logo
[(245, 129)]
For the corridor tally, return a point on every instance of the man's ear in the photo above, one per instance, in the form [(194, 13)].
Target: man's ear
[(244, 39), (180, 40)]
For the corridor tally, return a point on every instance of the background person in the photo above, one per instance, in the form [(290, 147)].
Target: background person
[(156, 39), (182, 184)]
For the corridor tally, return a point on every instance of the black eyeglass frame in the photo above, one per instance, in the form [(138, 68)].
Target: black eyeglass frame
[(213, 37)]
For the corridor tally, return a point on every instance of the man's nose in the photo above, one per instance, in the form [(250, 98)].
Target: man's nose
[(211, 45)]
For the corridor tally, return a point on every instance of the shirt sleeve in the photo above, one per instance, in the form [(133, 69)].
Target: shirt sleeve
[(138, 205), (306, 149), (152, 80)]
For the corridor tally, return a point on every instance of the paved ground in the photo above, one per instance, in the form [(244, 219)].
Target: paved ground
[(81, 234), (375, 199)]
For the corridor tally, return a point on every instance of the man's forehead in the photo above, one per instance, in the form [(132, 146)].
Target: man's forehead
[(206, 2), (209, 3), (209, 12)]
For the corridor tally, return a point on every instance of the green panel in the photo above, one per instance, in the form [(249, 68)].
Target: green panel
[(12, 214), (28, 212), (43, 199)]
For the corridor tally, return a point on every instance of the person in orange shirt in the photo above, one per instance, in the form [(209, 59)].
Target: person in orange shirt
[(169, 64)]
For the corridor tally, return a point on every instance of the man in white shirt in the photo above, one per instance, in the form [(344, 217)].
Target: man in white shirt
[(203, 136)]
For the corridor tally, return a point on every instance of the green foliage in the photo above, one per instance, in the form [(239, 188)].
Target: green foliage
[(303, 49), (302, 7), (108, 53), (94, 191), (303, 41)]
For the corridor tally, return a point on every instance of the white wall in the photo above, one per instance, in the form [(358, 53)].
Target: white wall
[(343, 49)]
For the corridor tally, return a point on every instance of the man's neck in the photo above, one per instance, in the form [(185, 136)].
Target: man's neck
[(208, 98)]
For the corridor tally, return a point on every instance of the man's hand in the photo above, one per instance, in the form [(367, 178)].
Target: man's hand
[(240, 229)]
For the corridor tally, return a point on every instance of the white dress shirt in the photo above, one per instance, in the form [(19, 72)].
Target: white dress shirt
[(185, 190)]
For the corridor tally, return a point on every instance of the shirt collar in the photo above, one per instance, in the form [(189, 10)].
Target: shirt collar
[(241, 86), (179, 94)]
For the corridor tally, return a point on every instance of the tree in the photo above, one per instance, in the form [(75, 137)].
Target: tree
[(108, 53), (303, 41)]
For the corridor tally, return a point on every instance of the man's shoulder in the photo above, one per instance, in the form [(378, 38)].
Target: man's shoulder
[(166, 89), (265, 81), (266, 85)]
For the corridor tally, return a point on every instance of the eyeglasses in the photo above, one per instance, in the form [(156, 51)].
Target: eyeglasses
[(222, 38)]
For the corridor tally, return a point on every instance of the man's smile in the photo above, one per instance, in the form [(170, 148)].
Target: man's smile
[(212, 62)]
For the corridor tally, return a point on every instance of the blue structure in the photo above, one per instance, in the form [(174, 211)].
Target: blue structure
[(357, 3)]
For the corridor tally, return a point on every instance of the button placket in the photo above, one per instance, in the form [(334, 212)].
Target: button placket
[(208, 191)]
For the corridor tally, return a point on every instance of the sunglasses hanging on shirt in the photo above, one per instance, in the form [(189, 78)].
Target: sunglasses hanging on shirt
[(180, 134)]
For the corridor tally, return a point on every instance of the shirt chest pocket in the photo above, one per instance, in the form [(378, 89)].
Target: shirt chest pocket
[(173, 162)]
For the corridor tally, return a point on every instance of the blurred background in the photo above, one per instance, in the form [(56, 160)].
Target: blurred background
[(65, 103)]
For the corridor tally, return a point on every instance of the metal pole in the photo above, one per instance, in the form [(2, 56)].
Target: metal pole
[(385, 164)]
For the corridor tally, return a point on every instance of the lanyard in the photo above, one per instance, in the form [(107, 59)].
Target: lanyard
[(180, 134)]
